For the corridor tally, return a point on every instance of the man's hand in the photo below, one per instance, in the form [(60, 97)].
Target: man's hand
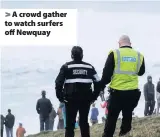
[(61, 99)]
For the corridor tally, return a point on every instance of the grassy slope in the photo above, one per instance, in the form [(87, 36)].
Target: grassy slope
[(142, 127)]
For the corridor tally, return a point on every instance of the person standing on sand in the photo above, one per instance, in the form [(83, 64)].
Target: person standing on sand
[(105, 105), (158, 96), (62, 106), (52, 117), (60, 118), (9, 123), (44, 108), (2, 124), (94, 114), (20, 131), (149, 95), (121, 70)]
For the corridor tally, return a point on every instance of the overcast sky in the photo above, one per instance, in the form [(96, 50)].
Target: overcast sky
[(115, 6), (100, 24)]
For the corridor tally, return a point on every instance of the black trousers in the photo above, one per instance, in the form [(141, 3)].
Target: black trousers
[(124, 101), (149, 107), (72, 107), (1, 132)]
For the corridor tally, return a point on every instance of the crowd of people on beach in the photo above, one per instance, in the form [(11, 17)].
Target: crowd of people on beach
[(47, 113)]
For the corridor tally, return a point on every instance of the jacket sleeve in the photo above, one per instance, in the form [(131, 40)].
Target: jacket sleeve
[(17, 133), (37, 107), (158, 87), (59, 82), (54, 114), (142, 69), (145, 92), (50, 106), (108, 70), (6, 120), (13, 120), (96, 83), (24, 131), (154, 91)]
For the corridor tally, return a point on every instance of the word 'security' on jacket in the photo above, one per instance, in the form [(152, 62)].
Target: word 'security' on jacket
[(76, 78)]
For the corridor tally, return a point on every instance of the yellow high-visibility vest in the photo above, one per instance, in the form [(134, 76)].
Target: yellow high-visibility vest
[(127, 66)]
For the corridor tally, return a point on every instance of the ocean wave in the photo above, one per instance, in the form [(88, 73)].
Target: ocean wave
[(20, 72)]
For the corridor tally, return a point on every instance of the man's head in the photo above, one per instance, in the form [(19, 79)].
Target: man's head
[(20, 125), (9, 110), (77, 53), (149, 78), (43, 93), (124, 41)]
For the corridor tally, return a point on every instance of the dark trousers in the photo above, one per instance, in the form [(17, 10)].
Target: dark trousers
[(124, 101), (44, 123), (60, 124), (51, 124), (1, 132), (9, 132), (72, 107), (149, 107)]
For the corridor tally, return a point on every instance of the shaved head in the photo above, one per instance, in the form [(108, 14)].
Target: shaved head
[(124, 41)]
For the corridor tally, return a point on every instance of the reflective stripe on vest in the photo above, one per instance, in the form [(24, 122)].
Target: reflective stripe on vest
[(118, 70)]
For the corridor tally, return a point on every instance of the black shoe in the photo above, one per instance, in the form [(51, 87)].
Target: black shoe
[(123, 133)]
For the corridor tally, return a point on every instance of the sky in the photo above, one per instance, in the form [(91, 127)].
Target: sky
[(110, 6), (100, 24)]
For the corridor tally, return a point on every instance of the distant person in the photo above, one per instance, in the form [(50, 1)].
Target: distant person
[(60, 119), (62, 106), (20, 131), (94, 114), (2, 124), (149, 95), (77, 123), (121, 70), (52, 117), (158, 86), (44, 108), (105, 105), (9, 123), (158, 96), (74, 87)]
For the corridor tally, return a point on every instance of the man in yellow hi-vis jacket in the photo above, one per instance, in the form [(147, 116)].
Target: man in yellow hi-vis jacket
[(122, 68)]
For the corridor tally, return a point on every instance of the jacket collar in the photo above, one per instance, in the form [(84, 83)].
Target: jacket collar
[(126, 47)]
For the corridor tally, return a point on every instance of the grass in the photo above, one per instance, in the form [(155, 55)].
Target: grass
[(141, 127)]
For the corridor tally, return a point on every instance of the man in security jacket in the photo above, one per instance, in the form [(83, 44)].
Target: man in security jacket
[(122, 68), (73, 87)]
